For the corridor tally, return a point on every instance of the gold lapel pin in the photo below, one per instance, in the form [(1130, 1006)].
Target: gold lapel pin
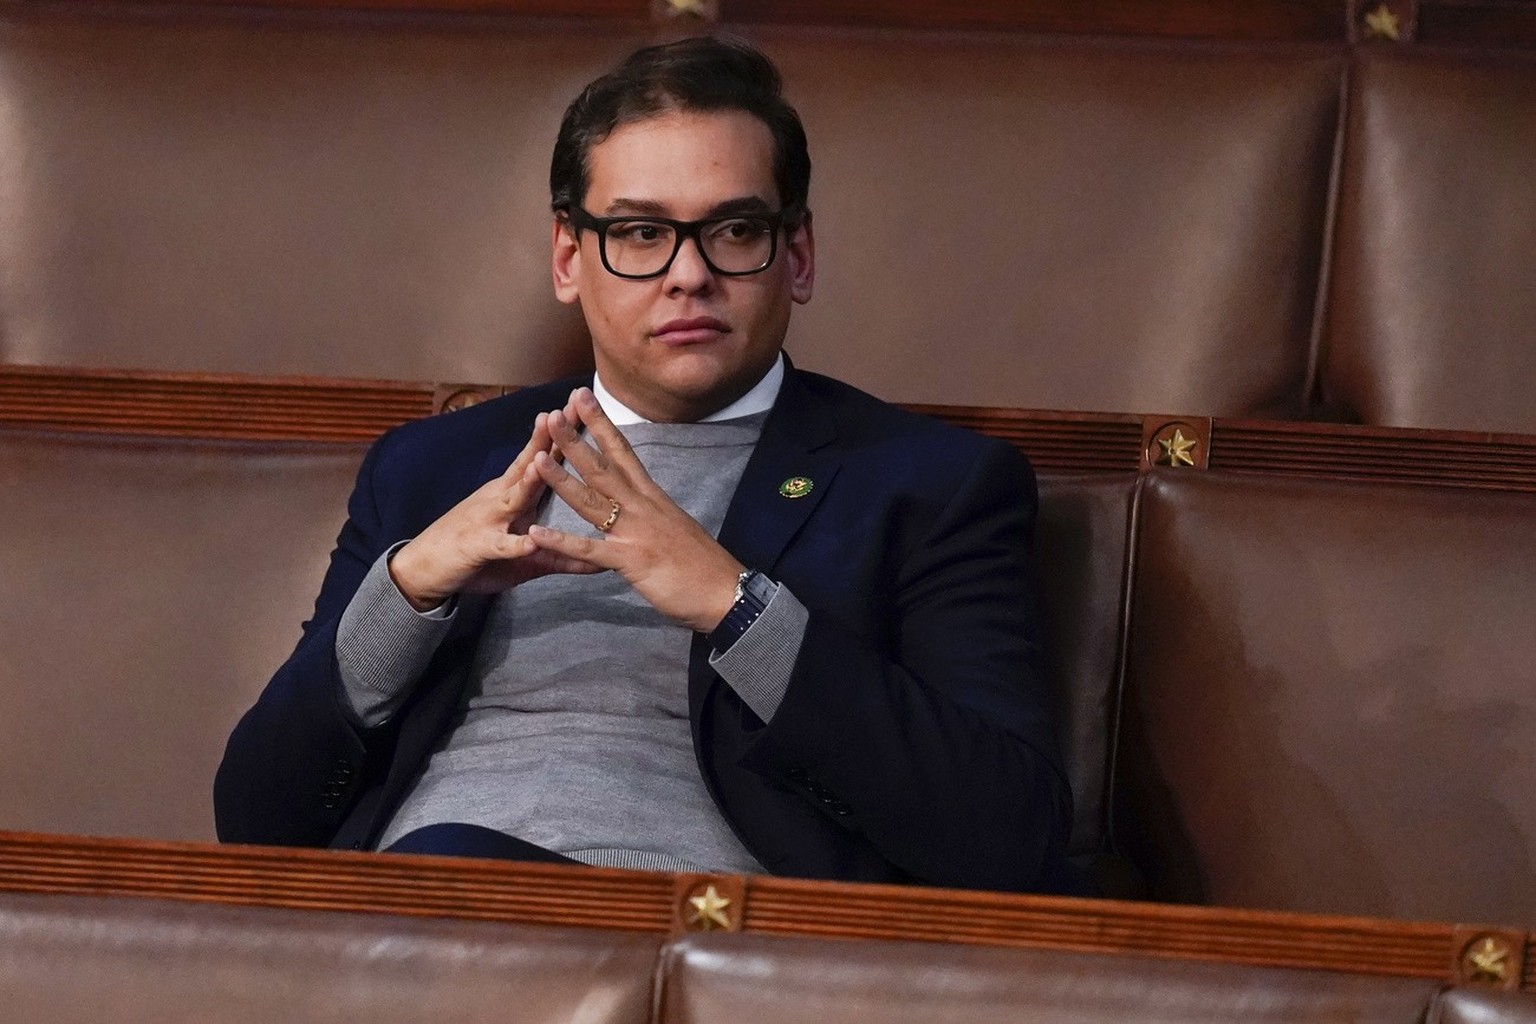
[(796, 487)]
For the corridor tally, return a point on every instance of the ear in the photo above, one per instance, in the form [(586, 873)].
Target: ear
[(565, 260), (801, 250)]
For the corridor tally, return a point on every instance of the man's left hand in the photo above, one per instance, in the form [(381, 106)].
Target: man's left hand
[(658, 548)]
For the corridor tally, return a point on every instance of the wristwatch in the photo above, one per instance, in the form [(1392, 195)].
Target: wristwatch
[(753, 592)]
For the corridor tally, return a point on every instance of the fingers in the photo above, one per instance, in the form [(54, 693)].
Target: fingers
[(609, 440), (585, 551), (585, 500), (609, 463), (520, 494), (540, 561), (552, 562), (591, 463), (538, 441)]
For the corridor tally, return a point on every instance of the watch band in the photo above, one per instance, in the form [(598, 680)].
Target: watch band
[(753, 592)]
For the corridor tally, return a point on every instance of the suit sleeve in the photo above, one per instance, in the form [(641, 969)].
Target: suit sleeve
[(295, 762), (936, 739)]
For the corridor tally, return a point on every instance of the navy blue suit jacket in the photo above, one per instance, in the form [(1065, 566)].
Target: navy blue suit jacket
[(915, 741)]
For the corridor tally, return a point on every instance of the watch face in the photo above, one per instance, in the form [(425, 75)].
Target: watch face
[(758, 588)]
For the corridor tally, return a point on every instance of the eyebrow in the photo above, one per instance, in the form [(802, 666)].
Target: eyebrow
[(651, 208)]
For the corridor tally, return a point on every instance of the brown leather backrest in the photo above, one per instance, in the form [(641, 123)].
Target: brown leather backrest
[(1081, 540), (284, 194), (151, 588), (1482, 1006), (1329, 698), (155, 585), (1065, 224), (750, 978), (86, 960), (1433, 309), (1001, 220)]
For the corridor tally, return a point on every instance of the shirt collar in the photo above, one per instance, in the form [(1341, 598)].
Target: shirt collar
[(759, 399)]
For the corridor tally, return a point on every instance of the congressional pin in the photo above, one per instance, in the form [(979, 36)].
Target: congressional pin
[(796, 487)]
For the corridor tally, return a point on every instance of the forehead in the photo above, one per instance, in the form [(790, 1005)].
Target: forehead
[(684, 160)]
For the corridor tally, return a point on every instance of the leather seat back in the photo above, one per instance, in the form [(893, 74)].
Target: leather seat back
[(1082, 544), (750, 978), (83, 960), (1433, 305), (1002, 220), (152, 587), (1329, 702)]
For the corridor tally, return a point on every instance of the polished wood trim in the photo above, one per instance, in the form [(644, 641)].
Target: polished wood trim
[(1198, 19), (636, 11), (1218, 935), (227, 406), (1069, 441), (335, 881), (1505, 462), (554, 894), (1484, 24), (213, 406), (232, 407)]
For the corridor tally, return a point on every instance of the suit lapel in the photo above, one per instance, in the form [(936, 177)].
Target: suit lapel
[(761, 522), (795, 446)]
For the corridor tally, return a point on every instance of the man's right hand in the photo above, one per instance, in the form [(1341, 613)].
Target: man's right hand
[(480, 546)]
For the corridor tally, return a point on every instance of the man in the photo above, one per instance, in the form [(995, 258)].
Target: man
[(709, 612)]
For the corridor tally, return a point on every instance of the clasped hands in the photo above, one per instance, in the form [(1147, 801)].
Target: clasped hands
[(489, 542)]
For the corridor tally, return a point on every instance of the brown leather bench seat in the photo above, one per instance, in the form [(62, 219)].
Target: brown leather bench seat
[(85, 960), (1329, 700), (1479, 1006), (156, 584), (751, 979), (150, 587), (1083, 546), (1327, 703), (81, 960)]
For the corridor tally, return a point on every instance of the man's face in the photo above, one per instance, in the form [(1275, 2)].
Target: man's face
[(678, 347)]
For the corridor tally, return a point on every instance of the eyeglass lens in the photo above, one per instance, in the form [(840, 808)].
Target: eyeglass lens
[(732, 245)]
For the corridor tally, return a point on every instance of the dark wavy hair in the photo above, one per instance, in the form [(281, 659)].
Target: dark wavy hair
[(703, 73)]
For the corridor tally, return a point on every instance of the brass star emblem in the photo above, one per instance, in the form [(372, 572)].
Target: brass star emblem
[(1488, 960), (709, 910), (1382, 22), (1176, 449)]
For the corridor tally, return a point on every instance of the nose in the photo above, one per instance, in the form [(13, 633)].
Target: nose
[(689, 274)]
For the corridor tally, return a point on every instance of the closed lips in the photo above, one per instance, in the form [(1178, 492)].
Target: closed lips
[(692, 328)]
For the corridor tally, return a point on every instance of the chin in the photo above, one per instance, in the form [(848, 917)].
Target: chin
[(702, 394)]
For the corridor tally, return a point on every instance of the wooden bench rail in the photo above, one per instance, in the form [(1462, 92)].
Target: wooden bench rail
[(213, 406), (229, 407), (1485, 23), (660, 903)]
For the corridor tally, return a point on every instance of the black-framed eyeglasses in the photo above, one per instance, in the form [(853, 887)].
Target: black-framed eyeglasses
[(637, 248)]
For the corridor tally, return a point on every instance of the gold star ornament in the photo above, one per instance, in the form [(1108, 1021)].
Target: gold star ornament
[(1177, 449), (708, 910), (1381, 23), (1487, 960)]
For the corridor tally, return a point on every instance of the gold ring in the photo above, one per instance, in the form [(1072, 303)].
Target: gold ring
[(613, 517)]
